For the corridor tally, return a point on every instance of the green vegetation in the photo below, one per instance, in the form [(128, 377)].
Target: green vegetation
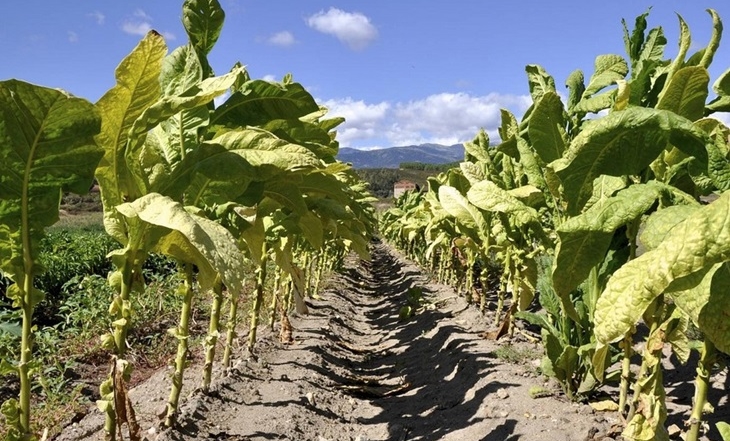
[(381, 180), (215, 190), (427, 167), (560, 204)]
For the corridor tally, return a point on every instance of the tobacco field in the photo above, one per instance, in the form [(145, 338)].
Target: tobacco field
[(567, 282)]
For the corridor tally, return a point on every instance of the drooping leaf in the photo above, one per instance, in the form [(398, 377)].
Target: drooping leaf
[(686, 93), (265, 151), (623, 143), (489, 197), (547, 128), (259, 101), (191, 239), (47, 147), (659, 225), (584, 239), (604, 187), (459, 207), (576, 87), (608, 69), (699, 242)]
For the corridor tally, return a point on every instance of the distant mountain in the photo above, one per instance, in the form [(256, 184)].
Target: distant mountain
[(393, 156)]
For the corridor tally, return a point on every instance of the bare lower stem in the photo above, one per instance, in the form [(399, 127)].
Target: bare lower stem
[(702, 382)]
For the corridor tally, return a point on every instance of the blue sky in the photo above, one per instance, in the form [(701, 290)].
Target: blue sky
[(402, 72)]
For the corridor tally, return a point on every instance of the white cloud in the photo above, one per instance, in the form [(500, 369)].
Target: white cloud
[(269, 78), (142, 15), (136, 28), (97, 16), (444, 118), (141, 24), (283, 39), (73, 37), (352, 28)]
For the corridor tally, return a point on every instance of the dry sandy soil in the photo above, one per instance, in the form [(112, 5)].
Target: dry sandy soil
[(357, 371)]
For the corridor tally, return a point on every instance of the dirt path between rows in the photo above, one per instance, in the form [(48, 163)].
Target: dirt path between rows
[(357, 371)]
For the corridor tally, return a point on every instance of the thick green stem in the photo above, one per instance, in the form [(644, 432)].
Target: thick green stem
[(230, 328), (26, 355), (181, 333), (702, 382), (260, 280), (213, 332)]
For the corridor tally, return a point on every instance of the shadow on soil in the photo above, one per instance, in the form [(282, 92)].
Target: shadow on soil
[(427, 377)]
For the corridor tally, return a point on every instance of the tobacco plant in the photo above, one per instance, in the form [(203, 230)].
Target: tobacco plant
[(47, 148)]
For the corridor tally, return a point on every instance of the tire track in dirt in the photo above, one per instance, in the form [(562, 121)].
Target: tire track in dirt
[(358, 371)]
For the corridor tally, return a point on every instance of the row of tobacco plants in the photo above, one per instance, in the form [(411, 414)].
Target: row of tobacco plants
[(604, 216), (253, 179)]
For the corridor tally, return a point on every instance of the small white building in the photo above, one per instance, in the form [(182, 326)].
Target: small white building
[(401, 187)]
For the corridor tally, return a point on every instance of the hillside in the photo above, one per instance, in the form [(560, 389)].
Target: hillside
[(392, 157)]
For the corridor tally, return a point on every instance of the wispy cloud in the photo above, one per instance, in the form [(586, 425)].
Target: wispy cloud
[(282, 39), (444, 118), (97, 16), (73, 37), (142, 15), (352, 28), (140, 24)]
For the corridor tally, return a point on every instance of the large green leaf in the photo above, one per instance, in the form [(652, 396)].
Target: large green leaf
[(459, 207), (539, 80), (259, 102), (262, 149), (699, 242), (489, 197), (479, 147), (307, 134), (635, 41), (181, 70), (584, 239), (547, 128), (604, 187), (608, 69), (714, 44), (686, 93), (136, 89), (576, 87), (623, 143), (203, 21), (46, 147), (659, 225), (191, 239), (194, 97)]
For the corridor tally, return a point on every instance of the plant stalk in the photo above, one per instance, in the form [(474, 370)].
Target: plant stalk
[(26, 355), (275, 297), (213, 332), (181, 333), (260, 280), (702, 382)]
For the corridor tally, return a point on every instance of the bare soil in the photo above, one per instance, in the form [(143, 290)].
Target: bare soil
[(358, 371)]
